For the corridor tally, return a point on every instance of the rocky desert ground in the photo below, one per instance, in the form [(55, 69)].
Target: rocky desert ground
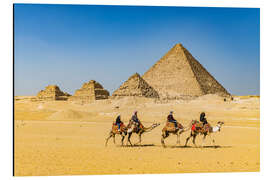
[(68, 137)]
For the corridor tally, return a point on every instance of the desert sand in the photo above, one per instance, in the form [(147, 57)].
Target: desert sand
[(68, 138)]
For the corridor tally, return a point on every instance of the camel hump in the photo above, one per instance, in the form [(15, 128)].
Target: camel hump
[(123, 128), (171, 124), (207, 127), (121, 125), (169, 127)]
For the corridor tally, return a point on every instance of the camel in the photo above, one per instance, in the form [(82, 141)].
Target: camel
[(114, 131), (132, 128), (170, 129), (207, 129)]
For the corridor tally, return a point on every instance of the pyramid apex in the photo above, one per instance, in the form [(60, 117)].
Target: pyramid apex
[(178, 44), (177, 48), (135, 75)]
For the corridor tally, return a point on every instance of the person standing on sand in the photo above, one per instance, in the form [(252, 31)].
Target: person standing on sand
[(171, 119)]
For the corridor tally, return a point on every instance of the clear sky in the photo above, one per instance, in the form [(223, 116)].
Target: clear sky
[(68, 45)]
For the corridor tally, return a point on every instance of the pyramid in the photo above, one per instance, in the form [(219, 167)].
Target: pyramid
[(52, 92), (178, 75), (90, 91), (135, 86)]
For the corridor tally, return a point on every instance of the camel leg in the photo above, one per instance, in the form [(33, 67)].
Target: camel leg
[(163, 137), (204, 136), (122, 140), (178, 136), (178, 139), (162, 141), (140, 139), (188, 138), (193, 140), (127, 139), (114, 139), (213, 140), (129, 135), (110, 135)]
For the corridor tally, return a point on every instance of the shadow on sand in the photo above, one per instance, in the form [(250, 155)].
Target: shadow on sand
[(210, 147), (153, 145), (135, 145)]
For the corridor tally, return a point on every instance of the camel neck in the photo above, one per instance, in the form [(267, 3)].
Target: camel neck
[(216, 128), (146, 129)]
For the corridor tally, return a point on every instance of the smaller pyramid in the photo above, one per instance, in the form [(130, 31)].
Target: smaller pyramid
[(90, 91), (136, 86), (52, 92)]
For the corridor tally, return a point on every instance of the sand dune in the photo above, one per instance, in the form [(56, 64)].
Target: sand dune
[(68, 114)]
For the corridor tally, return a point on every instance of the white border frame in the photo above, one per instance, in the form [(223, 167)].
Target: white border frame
[(6, 46)]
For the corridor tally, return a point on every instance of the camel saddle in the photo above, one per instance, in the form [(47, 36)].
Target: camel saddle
[(136, 129), (198, 126), (171, 127), (115, 127), (135, 126)]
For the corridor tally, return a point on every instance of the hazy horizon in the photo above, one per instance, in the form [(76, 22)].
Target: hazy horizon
[(68, 45)]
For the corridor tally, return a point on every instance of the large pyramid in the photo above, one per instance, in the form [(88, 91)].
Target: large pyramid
[(135, 86), (178, 75)]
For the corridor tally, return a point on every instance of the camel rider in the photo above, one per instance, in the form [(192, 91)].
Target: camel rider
[(203, 119), (118, 122), (135, 119), (171, 119)]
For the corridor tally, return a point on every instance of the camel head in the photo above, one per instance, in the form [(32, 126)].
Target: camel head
[(219, 124), (155, 125)]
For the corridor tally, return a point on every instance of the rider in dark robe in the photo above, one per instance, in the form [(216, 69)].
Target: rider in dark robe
[(171, 119), (135, 119), (118, 122), (203, 119)]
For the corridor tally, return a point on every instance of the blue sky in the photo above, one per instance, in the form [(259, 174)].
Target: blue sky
[(68, 45)]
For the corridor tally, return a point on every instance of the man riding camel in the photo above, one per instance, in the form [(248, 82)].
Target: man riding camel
[(203, 119), (172, 120), (118, 122), (135, 119)]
